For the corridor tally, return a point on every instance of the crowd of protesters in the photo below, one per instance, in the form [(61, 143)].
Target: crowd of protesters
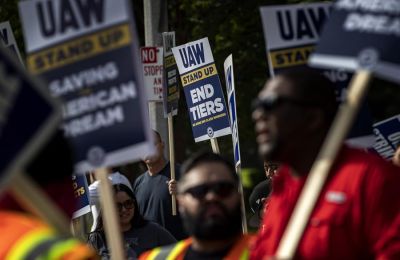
[(356, 216)]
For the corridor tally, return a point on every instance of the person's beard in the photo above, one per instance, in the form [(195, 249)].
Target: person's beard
[(213, 228)]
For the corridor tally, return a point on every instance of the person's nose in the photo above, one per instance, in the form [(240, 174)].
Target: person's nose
[(259, 114), (211, 196)]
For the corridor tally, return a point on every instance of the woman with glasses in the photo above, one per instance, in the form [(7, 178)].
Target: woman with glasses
[(139, 234)]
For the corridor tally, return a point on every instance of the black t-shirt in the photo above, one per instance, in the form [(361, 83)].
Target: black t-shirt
[(155, 203), (136, 240)]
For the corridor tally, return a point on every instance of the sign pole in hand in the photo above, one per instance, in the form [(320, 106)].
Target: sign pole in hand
[(26, 191), (322, 165), (110, 221), (172, 157)]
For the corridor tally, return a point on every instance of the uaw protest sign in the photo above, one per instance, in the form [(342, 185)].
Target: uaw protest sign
[(88, 53), (7, 39), (230, 91), (203, 91), (387, 133), (28, 115), (362, 34), (171, 83), (291, 33), (81, 192), (153, 72)]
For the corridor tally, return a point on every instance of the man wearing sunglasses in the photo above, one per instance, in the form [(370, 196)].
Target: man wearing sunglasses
[(357, 215), (209, 203)]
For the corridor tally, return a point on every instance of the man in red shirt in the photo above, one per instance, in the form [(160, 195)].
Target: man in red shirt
[(357, 215)]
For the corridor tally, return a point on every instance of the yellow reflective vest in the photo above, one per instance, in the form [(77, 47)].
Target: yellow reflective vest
[(177, 251), (25, 237)]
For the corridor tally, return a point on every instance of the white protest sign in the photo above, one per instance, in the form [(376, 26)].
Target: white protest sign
[(230, 90), (291, 32), (7, 39), (203, 91), (152, 61)]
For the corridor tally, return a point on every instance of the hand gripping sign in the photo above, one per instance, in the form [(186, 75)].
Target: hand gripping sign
[(372, 29), (203, 92)]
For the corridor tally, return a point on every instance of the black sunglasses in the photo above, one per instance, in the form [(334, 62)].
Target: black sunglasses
[(127, 204), (222, 189), (273, 101)]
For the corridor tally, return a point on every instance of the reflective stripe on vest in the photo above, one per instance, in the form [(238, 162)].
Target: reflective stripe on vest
[(61, 248), (28, 242), (170, 252), (240, 251), (41, 244)]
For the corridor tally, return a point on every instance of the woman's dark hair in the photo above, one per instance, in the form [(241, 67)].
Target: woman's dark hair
[(137, 220)]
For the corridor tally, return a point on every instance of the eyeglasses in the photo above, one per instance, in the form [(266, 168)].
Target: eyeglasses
[(273, 101), (222, 189), (127, 204)]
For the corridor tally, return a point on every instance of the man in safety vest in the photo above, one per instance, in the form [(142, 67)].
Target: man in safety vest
[(23, 236), (209, 203)]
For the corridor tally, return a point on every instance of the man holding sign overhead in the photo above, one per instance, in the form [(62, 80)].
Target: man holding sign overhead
[(357, 213)]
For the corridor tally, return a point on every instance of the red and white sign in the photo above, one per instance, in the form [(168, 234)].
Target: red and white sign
[(152, 61)]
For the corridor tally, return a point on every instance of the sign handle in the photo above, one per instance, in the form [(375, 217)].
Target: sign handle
[(214, 145), (172, 157), (322, 165), (243, 207), (110, 221), (31, 196)]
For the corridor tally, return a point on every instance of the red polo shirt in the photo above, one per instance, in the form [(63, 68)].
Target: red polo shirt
[(357, 215)]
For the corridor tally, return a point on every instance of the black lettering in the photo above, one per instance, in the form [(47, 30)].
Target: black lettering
[(168, 43), (285, 29), (68, 19), (280, 59), (4, 36), (49, 28), (299, 56), (89, 9), (303, 26), (39, 63), (318, 18), (289, 57)]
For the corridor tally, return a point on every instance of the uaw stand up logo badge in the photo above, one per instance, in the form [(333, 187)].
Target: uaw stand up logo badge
[(96, 155), (210, 132)]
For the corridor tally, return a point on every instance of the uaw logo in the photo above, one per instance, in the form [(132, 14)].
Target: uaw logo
[(368, 58), (96, 156), (210, 132), (9, 87)]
